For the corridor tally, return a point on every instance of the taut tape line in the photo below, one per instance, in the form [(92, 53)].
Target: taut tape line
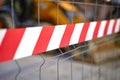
[(23, 42)]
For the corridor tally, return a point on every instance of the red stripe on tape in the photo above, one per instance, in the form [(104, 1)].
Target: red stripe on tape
[(67, 35), (106, 27), (95, 34), (44, 39), (84, 32), (115, 21), (119, 28), (10, 43)]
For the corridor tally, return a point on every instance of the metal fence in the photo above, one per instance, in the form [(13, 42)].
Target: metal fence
[(61, 64)]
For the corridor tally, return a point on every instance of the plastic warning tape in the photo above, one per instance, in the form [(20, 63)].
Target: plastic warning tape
[(23, 42)]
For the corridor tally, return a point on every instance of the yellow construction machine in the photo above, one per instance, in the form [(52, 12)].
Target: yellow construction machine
[(57, 13), (53, 12)]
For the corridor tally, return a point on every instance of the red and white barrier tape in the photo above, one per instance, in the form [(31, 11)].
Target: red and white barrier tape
[(23, 42)]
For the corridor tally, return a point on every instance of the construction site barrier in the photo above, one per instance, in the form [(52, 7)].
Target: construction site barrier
[(23, 42)]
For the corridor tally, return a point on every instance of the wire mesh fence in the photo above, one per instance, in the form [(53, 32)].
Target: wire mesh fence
[(29, 13), (75, 62)]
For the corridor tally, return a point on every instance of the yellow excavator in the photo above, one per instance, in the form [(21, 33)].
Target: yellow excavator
[(53, 12), (57, 13)]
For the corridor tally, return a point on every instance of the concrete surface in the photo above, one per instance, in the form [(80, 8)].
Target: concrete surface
[(31, 68)]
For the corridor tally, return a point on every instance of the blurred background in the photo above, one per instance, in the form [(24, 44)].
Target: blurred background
[(29, 13)]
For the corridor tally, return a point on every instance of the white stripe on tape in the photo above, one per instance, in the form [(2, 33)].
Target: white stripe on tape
[(111, 25), (117, 25), (90, 31), (102, 28), (76, 33), (28, 42), (2, 34), (56, 37)]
